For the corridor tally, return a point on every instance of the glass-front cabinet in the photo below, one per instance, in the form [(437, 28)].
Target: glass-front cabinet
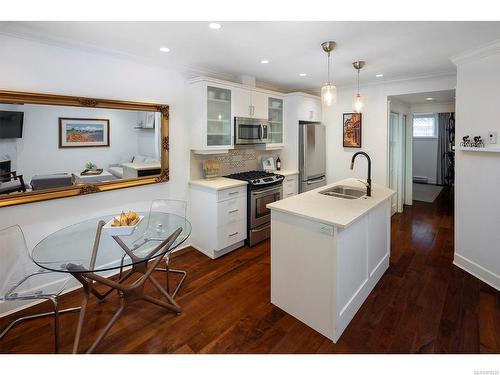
[(218, 126), (275, 114)]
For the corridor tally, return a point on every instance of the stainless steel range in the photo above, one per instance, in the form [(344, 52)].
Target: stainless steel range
[(263, 188)]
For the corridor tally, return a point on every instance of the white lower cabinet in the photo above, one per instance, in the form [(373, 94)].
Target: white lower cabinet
[(218, 219), (290, 185)]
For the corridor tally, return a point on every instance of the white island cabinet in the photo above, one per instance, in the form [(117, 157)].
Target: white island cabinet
[(328, 253)]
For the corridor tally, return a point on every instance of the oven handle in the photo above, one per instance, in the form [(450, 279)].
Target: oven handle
[(260, 192)]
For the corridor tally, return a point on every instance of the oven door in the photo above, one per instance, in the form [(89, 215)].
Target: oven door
[(259, 213), (250, 131)]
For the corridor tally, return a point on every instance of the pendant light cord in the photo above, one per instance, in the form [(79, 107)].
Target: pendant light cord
[(358, 81), (328, 68)]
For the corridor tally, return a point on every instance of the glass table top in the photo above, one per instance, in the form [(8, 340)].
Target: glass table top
[(72, 246)]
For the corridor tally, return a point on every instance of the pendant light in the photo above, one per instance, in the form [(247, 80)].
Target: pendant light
[(358, 103), (328, 91)]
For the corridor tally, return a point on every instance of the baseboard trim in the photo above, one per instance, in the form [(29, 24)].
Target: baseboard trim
[(478, 271)]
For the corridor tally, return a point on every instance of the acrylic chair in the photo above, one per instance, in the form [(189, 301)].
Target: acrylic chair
[(22, 280), (168, 206)]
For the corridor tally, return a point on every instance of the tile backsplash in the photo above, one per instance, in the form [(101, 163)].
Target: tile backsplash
[(237, 160)]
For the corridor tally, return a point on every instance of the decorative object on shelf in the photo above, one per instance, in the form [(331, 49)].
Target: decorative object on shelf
[(268, 164), (352, 130), (358, 103), (82, 132), (328, 91), (211, 168), (476, 142), (90, 166), (91, 172)]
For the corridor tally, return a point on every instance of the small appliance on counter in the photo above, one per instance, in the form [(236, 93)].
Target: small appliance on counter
[(262, 188)]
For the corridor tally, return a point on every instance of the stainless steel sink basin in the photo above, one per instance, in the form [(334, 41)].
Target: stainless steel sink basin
[(342, 191)]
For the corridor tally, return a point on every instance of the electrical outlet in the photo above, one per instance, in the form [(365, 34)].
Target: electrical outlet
[(492, 138)]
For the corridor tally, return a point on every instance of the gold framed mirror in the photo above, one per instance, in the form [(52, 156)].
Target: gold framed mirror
[(85, 141)]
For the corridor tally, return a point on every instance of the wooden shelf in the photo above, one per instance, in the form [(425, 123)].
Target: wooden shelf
[(480, 149)]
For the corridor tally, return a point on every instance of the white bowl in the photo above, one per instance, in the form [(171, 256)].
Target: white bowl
[(121, 231)]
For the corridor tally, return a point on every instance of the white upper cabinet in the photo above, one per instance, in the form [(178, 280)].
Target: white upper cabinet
[(212, 113), (215, 104), (309, 109), (249, 103), (242, 103), (259, 104), (275, 116)]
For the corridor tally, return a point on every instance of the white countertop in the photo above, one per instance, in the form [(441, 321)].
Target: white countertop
[(335, 211), (218, 183), (285, 172)]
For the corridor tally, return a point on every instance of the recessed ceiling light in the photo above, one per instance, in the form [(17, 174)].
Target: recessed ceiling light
[(164, 49), (379, 75), (214, 25), (429, 98), (264, 61), (302, 74)]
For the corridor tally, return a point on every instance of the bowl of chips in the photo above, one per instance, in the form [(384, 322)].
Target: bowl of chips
[(123, 225)]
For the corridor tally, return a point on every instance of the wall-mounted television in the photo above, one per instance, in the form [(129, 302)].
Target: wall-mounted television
[(11, 124)]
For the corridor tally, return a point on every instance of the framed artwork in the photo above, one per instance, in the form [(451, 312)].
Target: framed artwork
[(352, 130), (83, 132)]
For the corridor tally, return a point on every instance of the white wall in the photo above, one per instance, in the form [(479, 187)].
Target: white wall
[(374, 123), (30, 66), (425, 152), (38, 150), (477, 181)]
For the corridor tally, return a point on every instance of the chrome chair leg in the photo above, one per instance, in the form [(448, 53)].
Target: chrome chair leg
[(55, 313), (169, 270)]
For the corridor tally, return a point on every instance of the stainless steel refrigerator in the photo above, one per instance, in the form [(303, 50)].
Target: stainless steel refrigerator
[(312, 155)]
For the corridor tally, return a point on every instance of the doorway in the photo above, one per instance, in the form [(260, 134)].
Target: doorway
[(397, 135), (420, 146)]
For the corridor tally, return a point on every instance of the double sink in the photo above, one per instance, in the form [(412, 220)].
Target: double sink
[(345, 192)]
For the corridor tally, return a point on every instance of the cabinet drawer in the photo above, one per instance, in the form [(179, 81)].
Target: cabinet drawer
[(231, 210), (240, 191), (290, 187), (291, 178), (230, 234)]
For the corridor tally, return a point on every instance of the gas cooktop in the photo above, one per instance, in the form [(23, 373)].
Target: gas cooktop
[(258, 178)]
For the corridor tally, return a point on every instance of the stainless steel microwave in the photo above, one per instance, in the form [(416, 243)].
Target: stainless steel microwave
[(249, 131)]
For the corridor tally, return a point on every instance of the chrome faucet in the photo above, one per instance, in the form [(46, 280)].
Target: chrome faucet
[(369, 179)]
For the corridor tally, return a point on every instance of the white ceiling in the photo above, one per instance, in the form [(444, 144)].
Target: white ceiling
[(397, 49), (445, 96)]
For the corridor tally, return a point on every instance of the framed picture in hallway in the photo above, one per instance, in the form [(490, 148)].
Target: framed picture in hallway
[(82, 132), (352, 130)]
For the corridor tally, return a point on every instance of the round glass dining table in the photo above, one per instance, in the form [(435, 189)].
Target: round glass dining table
[(70, 249), (88, 248)]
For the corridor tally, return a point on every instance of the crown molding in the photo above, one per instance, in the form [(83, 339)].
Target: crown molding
[(477, 53), (443, 74)]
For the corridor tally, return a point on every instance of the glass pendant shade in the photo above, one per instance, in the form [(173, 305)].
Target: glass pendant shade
[(358, 104), (329, 94)]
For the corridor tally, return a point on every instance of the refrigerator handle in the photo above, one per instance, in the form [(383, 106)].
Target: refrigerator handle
[(316, 180)]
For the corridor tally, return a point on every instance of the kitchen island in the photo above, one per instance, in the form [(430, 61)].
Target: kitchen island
[(328, 253)]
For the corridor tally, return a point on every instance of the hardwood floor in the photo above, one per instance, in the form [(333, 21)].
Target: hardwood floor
[(423, 304)]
